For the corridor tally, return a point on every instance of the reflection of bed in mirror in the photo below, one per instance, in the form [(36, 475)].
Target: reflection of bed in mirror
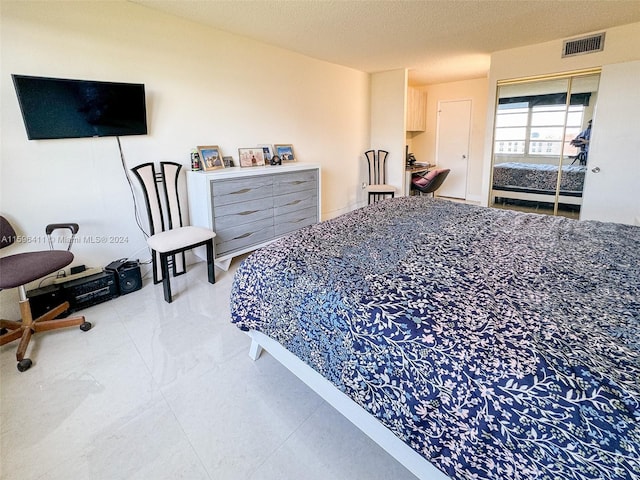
[(537, 182), (479, 343)]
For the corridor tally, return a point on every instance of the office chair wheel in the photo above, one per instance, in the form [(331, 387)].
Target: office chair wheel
[(24, 364), (86, 326)]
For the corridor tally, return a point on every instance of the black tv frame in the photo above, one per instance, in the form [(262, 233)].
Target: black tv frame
[(56, 108)]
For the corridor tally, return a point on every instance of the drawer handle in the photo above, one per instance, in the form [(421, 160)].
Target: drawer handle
[(294, 202), (247, 212), (244, 190), (242, 236)]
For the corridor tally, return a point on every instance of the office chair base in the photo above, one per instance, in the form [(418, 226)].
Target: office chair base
[(24, 364), (11, 330)]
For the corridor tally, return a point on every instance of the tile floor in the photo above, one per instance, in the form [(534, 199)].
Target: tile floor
[(167, 391)]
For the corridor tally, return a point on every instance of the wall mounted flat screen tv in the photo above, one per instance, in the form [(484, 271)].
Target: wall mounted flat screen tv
[(64, 108)]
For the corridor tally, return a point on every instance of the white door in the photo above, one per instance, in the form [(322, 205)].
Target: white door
[(452, 146), (612, 180)]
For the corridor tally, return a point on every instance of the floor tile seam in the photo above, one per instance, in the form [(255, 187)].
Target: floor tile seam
[(282, 443), (186, 435)]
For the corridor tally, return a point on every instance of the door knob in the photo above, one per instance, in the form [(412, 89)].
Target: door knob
[(595, 170)]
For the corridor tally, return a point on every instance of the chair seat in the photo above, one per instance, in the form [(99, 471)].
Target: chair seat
[(179, 238), (22, 268), (430, 182), (380, 188)]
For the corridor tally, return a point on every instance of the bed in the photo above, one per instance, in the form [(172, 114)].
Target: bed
[(488, 343), (538, 182)]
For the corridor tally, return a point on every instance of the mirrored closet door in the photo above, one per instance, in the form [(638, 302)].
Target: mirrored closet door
[(541, 143)]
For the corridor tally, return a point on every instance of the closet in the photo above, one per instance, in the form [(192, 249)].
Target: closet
[(536, 163)]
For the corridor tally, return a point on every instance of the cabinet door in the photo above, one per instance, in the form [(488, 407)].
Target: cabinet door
[(416, 110)]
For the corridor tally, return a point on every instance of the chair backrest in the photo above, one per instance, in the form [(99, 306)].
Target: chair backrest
[(160, 190), (431, 184), (7, 233), (377, 170)]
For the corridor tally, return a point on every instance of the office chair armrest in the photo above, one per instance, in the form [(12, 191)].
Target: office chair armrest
[(55, 226)]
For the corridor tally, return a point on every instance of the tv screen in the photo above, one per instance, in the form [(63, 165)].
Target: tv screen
[(63, 108)]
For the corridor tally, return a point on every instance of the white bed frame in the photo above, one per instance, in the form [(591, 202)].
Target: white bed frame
[(357, 415)]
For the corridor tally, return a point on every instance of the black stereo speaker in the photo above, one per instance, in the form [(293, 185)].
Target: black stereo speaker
[(127, 274)]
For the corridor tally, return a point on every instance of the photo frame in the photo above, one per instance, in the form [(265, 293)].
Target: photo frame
[(285, 152), (251, 157), (268, 153), (210, 157)]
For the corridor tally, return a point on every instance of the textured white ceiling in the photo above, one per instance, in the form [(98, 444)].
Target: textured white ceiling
[(438, 40)]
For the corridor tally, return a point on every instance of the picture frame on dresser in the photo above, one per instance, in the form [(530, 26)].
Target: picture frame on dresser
[(210, 157), (251, 157), (268, 153), (285, 152)]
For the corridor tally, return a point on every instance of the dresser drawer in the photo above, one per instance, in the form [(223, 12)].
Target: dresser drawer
[(294, 220), (294, 201), (242, 212), (242, 236), (224, 192), (295, 182)]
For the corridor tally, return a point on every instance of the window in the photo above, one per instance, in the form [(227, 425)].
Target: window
[(536, 129)]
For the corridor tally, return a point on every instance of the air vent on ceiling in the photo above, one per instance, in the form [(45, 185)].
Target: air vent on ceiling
[(579, 46)]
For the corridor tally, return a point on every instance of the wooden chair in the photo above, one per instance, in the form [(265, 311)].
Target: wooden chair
[(169, 239), (377, 175), (22, 268)]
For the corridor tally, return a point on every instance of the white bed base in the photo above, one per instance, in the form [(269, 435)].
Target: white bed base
[(357, 415)]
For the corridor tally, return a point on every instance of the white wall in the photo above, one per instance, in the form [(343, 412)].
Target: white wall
[(203, 87), (611, 191), (621, 45), (388, 120)]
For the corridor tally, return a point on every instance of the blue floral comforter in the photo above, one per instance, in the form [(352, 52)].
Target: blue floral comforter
[(499, 345)]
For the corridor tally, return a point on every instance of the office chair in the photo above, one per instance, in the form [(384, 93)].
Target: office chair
[(377, 177), (430, 182), (22, 268), (169, 239)]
